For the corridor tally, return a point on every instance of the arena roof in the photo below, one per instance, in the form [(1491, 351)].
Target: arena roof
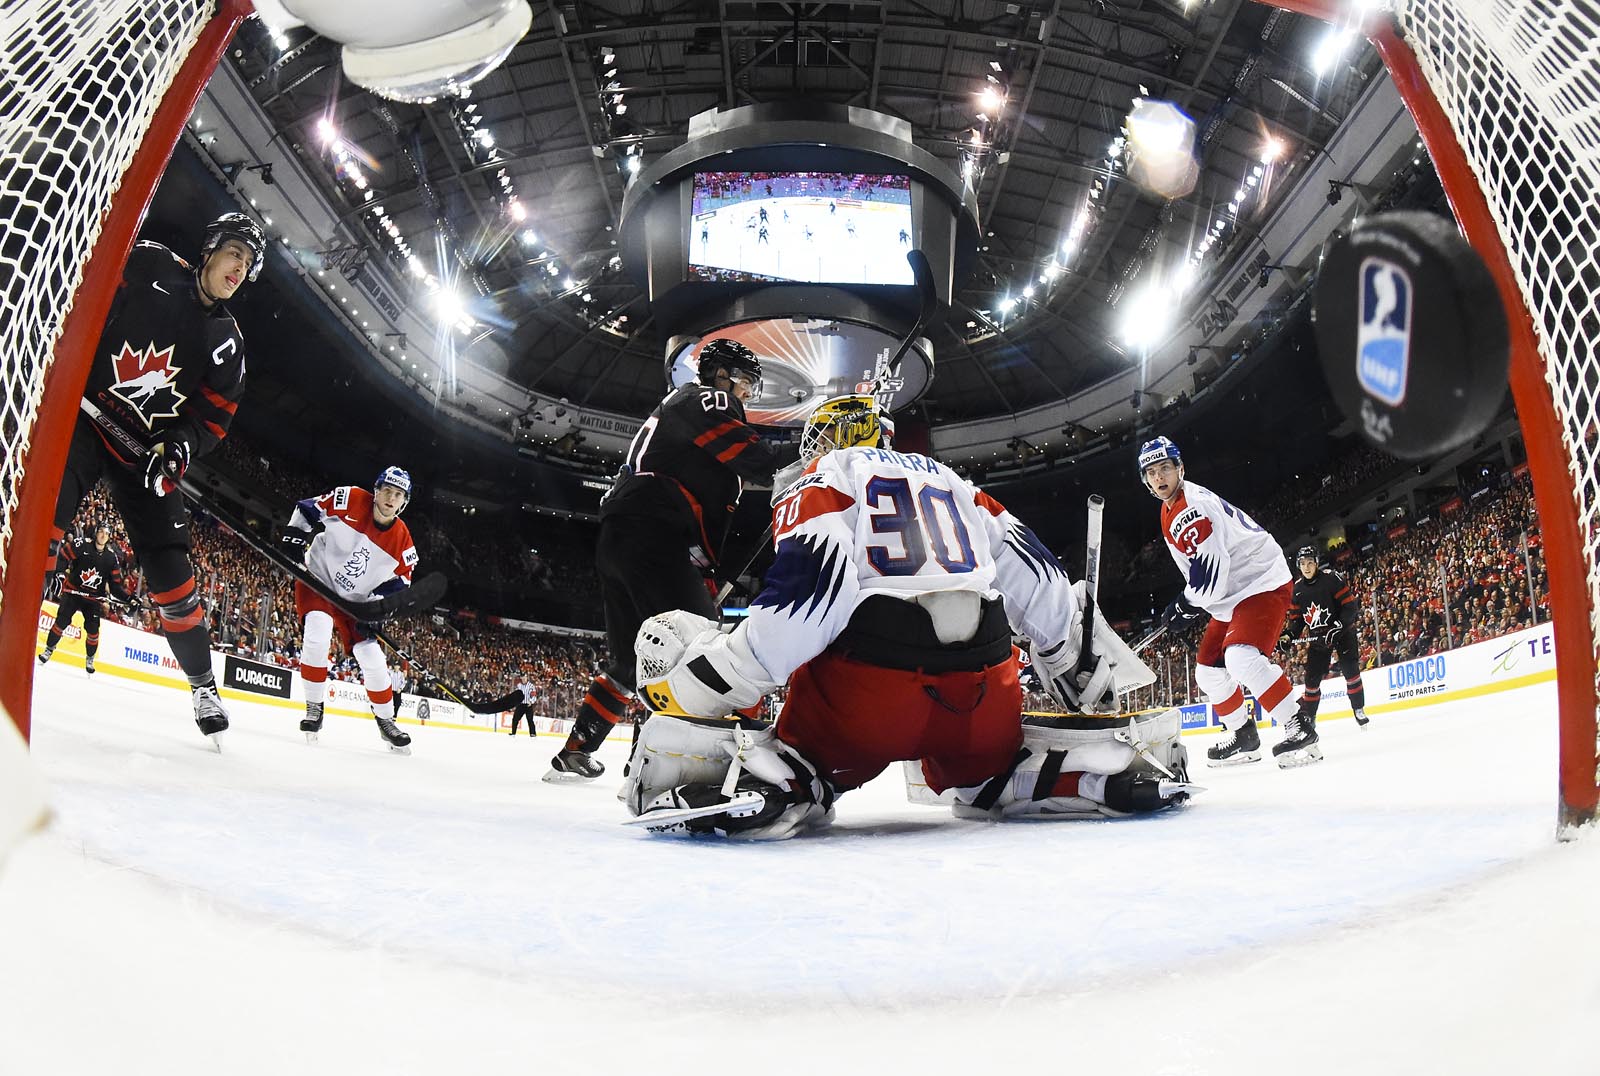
[(519, 185)]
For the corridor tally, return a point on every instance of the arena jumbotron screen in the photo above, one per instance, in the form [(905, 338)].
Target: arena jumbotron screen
[(801, 227)]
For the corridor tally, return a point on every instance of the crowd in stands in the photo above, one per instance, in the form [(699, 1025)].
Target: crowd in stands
[(1471, 558), (1341, 477)]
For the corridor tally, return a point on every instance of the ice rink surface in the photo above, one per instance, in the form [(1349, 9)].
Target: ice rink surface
[(1401, 907)]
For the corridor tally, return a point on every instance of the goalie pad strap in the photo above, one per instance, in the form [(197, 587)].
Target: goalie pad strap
[(1049, 771), (996, 786)]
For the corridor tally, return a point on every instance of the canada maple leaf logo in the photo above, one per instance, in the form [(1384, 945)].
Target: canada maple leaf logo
[(146, 382)]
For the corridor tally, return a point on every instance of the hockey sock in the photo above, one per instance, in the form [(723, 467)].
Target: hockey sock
[(603, 706), (53, 637), (183, 622), (375, 675), (91, 644), (1356, 691), (1310, 699), (315, 680), (1232, 711)]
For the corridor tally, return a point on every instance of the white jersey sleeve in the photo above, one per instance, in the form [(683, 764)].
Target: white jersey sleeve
[(353, 556), (1224, 555), (868, 521)]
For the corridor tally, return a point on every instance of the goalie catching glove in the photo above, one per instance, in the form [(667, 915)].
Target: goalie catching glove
[(687, 667), (1089, 685)]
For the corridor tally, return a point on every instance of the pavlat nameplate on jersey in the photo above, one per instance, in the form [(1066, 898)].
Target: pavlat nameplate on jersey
[(147, 382), (1383, 334)]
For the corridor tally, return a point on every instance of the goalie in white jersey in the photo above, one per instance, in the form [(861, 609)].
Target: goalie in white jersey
[(886, 612), (356, 545), (1235, 572)]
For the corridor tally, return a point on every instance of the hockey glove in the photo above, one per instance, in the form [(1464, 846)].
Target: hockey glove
[(1342, 637), (52, 585), (165, 465), (1181, 613), (294, 542)]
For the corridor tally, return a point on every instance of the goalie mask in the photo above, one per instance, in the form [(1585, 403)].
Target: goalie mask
[(845, 422)]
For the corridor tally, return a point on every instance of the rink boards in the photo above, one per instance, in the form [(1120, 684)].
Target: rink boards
[(144, 656), (1520, 659)]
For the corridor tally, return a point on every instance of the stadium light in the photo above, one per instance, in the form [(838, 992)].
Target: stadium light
[(529, 238), (449, 306), (326, 131), (519, 212), (1145, 316), (1329, 50)]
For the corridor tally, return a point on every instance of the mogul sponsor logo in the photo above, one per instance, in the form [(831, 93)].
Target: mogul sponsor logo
[(255, 676)]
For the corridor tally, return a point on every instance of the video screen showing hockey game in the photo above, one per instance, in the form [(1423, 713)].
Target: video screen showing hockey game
[(805, 227)]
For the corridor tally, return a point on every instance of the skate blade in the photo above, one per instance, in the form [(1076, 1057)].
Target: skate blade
[(400, 749), (554, 776), (1239, 759), (216, 740), (311, 737), (1291, 760)]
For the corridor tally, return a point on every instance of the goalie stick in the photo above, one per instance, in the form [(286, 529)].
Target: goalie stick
[(927, 304)]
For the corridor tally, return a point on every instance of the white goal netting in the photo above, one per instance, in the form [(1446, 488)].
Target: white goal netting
[(1520, 83), (79, 83)]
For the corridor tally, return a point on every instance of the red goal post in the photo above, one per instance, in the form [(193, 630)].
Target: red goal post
[(93, 101), (1503, 95)]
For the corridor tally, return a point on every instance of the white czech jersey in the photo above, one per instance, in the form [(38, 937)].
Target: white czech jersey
[(864, 521), (353, 556), (1224, 555)]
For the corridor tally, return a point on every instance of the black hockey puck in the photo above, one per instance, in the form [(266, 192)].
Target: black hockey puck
[(1411, 333)]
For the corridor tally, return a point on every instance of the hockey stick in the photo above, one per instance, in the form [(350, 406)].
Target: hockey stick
[(425, 592), (927, 303), (428, 590), (1160, 630), (1091, 575)]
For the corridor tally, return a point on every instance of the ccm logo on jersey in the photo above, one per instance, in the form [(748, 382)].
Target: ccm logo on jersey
[(1189, 530)]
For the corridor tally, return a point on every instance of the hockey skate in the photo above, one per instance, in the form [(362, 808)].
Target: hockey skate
[(88, 665), (45, 655), (1299, 744), (571, 766), (1242, 745), (209, 714), (399, 740), (311, 724), (1362, 720)]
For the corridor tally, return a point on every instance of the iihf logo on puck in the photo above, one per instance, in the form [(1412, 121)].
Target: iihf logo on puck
[(1383, 334)]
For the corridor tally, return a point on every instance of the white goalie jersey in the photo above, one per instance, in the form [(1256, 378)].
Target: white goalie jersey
[(864, 521)]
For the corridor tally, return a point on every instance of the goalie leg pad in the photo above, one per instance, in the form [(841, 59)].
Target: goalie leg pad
[(691, 763), (1113, 763)]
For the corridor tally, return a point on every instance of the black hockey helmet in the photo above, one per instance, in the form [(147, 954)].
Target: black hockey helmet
[(236, 226), (1307, 552), (730, 355)]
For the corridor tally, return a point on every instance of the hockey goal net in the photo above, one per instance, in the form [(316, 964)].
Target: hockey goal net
[(1506, 96), (93, 97)]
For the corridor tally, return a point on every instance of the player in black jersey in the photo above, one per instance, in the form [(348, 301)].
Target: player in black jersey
[(166, 379), (1325, 609), (90, 571), (663, 523)]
